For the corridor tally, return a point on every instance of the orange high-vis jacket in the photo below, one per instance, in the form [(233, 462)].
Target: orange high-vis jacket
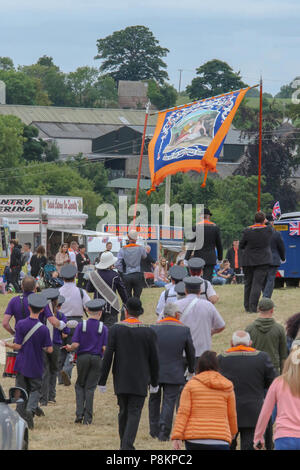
[(207, 409)]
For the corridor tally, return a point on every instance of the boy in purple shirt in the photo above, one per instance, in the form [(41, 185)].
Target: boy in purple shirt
[(31, 338), (90, 339), (18, 308), (51, 361)]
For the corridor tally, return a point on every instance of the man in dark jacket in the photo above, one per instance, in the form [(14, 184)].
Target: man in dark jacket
[(173, 339), (278, 255), (251, 372), (257, 257), (205, 244), (132, 348), (15, 264)]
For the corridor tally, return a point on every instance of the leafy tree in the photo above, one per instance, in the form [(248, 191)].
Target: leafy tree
[(53, 81), (20, 89), (162, 96), (6, 64), (279, 157), (132, 54), (11, 149), (82, 85), (232, 210), (214, 78), (286, 91), (107, 92), (33, 147)]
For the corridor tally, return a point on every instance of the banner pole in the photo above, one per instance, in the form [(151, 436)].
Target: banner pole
[(260, 146), (140, 163)]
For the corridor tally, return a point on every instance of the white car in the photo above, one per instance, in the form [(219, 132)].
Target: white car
[(13, 429)]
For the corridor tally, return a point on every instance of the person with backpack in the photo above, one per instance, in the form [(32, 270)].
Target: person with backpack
[(51, 361), (31, 338), (207, 292), (89, 340), (177, 274), (74, 310)]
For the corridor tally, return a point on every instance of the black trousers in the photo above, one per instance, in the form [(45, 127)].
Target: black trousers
[(208, 272), (246, 438), (161, 410), (134, 283), (14, 278), (253, 285), (130, 410)]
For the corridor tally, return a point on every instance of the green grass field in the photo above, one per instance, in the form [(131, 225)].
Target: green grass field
[(57, 431)]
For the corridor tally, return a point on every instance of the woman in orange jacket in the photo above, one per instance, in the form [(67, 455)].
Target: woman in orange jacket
[(206, 418)]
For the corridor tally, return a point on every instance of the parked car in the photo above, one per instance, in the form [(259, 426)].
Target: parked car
[(13, 429)]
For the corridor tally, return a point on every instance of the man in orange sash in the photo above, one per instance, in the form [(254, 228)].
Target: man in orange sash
[(257, 258), (206, 244)]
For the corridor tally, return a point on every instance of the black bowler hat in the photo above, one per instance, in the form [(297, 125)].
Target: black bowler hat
[(196, 263), (192, 282), (68, 271), (207, 212), (134, 306), (51, 293), (37, 300), (95, 305), (177, 273), (180, 288)]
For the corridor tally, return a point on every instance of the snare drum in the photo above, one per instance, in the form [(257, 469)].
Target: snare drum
[(10, 364)]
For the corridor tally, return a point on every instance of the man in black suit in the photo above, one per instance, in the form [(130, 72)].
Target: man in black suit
[(174, 339), (278, 255), (206, 242), (257, 258), (234, 256), (251, 372), (132, 347)]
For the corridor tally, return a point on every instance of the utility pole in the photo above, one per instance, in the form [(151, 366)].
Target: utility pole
[(179, 86)]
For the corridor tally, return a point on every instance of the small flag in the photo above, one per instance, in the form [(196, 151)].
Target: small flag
[(294, 228), (276, 213)]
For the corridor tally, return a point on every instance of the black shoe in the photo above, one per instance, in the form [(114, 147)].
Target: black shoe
[(39, 412), (163, 437), (87, 422), (78, 421), (153, 435)]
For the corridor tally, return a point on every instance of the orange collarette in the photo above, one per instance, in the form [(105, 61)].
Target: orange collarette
[(129, 245), (132, 320), (163, 320), (241, 347)]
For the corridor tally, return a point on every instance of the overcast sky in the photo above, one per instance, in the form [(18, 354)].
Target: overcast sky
[(253, 36)]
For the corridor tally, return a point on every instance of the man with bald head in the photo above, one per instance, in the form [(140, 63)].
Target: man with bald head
[(251, 372)]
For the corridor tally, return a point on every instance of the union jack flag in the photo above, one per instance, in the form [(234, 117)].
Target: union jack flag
[(276, 210), (294, 228)]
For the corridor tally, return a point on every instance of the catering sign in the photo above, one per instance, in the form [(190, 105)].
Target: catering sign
[(62, 206), (25, 205)]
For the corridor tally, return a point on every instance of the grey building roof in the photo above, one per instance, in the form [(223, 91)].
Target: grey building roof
[(67, 130), (29, 114), (128, 183)]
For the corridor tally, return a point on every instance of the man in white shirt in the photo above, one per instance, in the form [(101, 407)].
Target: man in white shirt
[(73, 250), (195, 267), (73, 309), (200, 315), (177, 274)]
